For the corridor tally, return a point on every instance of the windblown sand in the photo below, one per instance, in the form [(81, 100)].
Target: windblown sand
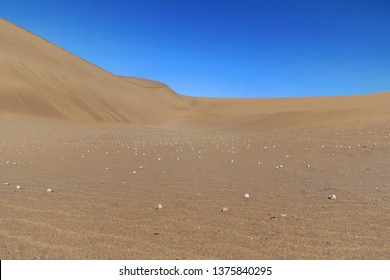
[(100, 209), (141, 172)]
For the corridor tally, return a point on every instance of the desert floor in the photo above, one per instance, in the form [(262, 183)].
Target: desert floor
[(109, 179)]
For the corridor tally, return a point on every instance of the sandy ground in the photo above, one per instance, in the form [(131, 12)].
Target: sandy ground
[(109, 179)]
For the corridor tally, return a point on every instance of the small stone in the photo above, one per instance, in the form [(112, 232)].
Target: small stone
[(333, 196), (50, 190), (159, 206), (224, 209), (246, 196), (18, 187)]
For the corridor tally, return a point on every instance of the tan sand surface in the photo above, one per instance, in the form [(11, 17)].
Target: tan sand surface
[(114, 148)]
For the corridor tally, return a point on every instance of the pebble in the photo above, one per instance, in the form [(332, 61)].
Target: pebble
[(159, 206)]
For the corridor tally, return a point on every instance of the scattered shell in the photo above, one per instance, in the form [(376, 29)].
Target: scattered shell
[(50, 190), (159, 206), (18, 187), (333, 196), (6, 184), (224, 209), (283, 215), (246, 196)]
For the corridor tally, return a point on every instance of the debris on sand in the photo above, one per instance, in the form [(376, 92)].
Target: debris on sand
[(246, 196), (50, 190), (224, 209), (332, 196), (159, 206), (19, 187)]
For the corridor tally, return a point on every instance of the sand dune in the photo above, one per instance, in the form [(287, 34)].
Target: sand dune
[(130, 144), (286, 112), (38, 78)]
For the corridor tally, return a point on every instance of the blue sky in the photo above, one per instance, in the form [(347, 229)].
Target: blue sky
[(243, 48)]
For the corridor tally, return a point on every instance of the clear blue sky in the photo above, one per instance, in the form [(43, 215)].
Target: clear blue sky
[(222, 48)]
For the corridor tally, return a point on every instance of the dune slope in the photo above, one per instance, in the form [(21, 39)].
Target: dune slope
[(38, 78), (288, 112)]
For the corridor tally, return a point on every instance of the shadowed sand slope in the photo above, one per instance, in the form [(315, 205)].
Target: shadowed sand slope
[(162, 93), (41, 79)]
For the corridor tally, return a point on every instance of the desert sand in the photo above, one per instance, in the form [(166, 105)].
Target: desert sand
[(138, 171)]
